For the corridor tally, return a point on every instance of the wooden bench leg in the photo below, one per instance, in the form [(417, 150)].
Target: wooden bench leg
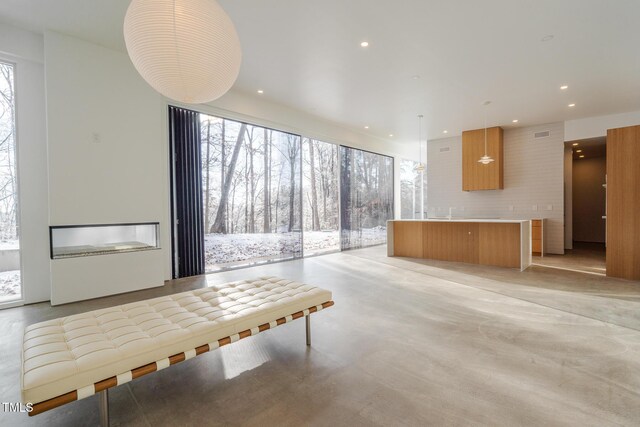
[(103, 403), (307, 319)]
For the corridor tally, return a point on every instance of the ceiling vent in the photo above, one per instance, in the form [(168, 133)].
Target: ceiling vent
[(444, 149), (543, 134)]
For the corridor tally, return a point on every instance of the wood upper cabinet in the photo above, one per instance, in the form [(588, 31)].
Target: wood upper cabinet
[(623, 202), (476, 176)]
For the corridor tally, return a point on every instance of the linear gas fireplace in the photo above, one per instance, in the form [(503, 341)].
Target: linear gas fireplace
[(68, 241)]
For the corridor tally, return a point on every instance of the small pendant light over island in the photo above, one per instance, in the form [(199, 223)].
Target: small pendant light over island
[(486, 159), (483, 157)]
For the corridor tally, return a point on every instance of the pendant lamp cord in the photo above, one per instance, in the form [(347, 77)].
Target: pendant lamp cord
[(420, 138), (485, 131)]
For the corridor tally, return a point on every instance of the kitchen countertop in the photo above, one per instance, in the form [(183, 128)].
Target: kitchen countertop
[(515, 221)]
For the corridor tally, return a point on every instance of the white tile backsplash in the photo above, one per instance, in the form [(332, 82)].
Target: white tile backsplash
[(533, 181)]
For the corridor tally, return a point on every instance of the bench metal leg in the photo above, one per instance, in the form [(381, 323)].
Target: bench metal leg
[(103, 403), (307, 319)]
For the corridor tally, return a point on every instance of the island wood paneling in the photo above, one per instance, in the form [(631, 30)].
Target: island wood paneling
[(450, 241), (623, 202), (407, 238), (486, 243), (537, 234), (476, 176), (499, 244)]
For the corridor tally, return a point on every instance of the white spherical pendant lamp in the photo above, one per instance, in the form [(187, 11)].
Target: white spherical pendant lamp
[(188, 50)]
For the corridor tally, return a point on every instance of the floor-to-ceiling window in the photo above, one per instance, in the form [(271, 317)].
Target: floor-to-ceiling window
[(251, 192), (413, 190), (10, 281), (366, 197), (320, 197), (245, 194)]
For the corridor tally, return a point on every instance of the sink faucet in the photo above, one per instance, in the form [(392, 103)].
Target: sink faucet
[(450, 213)]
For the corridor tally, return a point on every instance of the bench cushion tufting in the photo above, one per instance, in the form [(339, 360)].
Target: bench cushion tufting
[(69, 353)]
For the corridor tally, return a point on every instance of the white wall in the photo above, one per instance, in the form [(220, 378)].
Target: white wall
[(107, 163), (95, 92), (25, 50), (533, 177), (592, 127)]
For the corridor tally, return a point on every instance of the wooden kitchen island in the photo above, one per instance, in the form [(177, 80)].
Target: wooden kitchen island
[(502, 243)]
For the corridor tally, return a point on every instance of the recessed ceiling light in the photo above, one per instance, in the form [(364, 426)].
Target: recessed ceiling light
[(515, 120), (260, 91), (390, 135), (364, 44), (445, 131), (578, 151), (582, 156), (564, 87), (415, 77), (575, 144), (366, 127), (547, 38), (572, 105)]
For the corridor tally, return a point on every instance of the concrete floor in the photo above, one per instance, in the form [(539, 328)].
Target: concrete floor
[(408, 343), (585, 257)]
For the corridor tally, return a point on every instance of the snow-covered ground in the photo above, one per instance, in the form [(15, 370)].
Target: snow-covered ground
[(6, 245), (10, 280), (317, 242), (226, 250), (368, 237), (9, 285), (229, 250)]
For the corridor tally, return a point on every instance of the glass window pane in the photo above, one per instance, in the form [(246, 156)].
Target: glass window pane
[(320, 197), (251, 194), (413, 189), (10, 277), (366, 181)]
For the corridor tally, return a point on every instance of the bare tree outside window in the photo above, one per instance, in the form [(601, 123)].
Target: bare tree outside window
[(10, 288), (265, 192), (366, 197), (320, 197), (251, 193)]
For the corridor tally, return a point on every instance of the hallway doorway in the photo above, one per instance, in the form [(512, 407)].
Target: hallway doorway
[(585, 206)]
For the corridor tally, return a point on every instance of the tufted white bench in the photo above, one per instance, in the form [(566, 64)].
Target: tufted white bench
[(74, 357)]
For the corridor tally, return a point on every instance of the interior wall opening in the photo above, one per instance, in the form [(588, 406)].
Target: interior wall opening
[(587, 199)]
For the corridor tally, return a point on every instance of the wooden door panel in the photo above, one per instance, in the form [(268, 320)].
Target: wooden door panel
[(623, 203)]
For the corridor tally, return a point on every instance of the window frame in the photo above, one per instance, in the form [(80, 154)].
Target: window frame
[(16, 138)]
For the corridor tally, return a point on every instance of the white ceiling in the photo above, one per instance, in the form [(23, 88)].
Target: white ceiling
[(307, 55)]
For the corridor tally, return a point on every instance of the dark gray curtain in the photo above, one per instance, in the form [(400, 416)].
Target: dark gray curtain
[(186, 189)]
